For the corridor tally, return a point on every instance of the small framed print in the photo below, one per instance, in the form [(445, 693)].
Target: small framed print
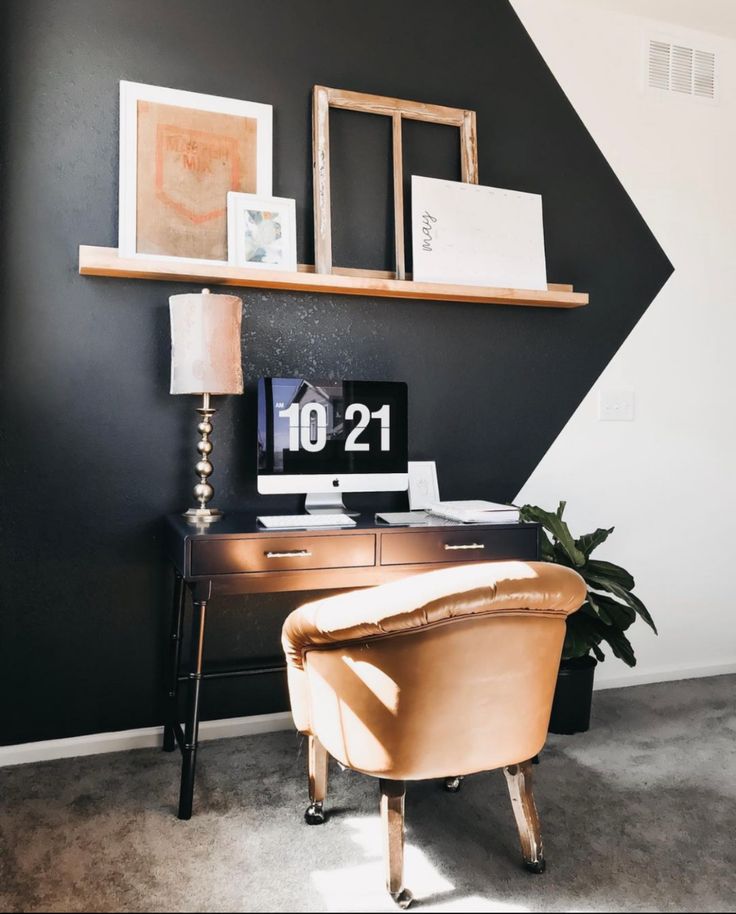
[(424, 490), (261, 232), (180, 154)]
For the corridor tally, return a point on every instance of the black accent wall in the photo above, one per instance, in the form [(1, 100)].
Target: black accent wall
[(95, 451)]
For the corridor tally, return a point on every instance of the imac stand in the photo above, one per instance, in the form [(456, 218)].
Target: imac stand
[(326, 503)]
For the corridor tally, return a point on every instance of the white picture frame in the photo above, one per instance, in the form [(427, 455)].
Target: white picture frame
[(472, 235), (280, 252), (131, 94), (424, 490)]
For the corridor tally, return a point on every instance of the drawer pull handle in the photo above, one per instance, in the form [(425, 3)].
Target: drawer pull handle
[(448, 547), (298, 553)]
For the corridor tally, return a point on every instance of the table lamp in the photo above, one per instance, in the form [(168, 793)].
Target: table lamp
[(206, 360)]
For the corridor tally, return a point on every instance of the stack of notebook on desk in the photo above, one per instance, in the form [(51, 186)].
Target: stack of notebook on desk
[(475, 512)]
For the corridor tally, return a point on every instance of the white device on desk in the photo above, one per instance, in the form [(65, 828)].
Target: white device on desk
[(414, 519), (305, 521), (323, 438), (475, 512)]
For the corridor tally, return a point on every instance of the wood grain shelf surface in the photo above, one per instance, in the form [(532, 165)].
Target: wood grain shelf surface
[(102, 261)]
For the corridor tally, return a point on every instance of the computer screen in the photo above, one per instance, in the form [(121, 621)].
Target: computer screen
[(310, 427)]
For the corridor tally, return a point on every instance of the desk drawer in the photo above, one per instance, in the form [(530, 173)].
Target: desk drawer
[(459, 544), (274, 553)]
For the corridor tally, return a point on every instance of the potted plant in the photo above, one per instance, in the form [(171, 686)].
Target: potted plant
[(610, 609)]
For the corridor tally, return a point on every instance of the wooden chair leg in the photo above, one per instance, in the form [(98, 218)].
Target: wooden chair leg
[(519, 781), (319, 762), (392, 818)]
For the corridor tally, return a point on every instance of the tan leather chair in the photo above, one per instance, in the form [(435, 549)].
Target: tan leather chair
[(451, 672)]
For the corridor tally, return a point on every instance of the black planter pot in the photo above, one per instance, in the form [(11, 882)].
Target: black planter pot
[(573, 696)]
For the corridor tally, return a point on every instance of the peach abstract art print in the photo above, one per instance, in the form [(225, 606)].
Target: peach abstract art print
[(187, 161)]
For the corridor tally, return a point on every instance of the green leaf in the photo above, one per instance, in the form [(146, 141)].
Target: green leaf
[(558, 528), (590, 632), (561, 509), (615, 573), (589, 610), (620, 645), (620, 614), (636, 604), (628, 598), (561, 557), (581, 636), (546, 549), (590, 541), (599, 608)]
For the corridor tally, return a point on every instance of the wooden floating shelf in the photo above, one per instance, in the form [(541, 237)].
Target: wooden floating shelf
[(99, 261)]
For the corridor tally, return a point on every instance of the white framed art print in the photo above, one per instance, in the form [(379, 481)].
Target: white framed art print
[(180, 154), (261, 232), (424, 489)]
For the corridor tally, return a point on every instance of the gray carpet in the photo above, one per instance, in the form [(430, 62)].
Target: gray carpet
[(638, 815)]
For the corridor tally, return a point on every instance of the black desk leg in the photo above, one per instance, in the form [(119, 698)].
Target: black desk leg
[(173, 664), (191, 726)]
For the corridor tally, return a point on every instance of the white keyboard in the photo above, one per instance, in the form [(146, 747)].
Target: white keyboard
[(305, 521)]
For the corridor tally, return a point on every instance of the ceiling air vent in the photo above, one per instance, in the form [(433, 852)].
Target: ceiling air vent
[(679, 69)]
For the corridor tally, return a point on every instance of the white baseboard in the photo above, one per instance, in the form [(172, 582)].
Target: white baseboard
[(150, 737), (145, 738), (663, 675)]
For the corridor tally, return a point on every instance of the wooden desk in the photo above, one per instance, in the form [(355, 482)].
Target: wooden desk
[(236, 556)]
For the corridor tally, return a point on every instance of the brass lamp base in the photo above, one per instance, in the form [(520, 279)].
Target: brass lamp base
[(199, 515), (203, 491)]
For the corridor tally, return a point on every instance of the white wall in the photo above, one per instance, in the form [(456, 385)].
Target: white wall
[(667, 480)]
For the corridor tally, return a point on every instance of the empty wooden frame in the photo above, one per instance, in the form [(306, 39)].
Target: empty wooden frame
[(397, 109)]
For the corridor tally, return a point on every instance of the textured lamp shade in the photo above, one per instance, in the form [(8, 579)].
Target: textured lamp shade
[(205, 344)]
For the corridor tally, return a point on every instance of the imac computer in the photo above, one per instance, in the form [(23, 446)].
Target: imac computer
[(324, 438)]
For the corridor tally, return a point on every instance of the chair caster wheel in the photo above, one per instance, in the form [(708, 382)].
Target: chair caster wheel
[(402, 899), (537, 867), (452, 785), (315, 814)]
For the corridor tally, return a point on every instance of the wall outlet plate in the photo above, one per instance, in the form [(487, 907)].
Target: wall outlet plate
[(616, 406)]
